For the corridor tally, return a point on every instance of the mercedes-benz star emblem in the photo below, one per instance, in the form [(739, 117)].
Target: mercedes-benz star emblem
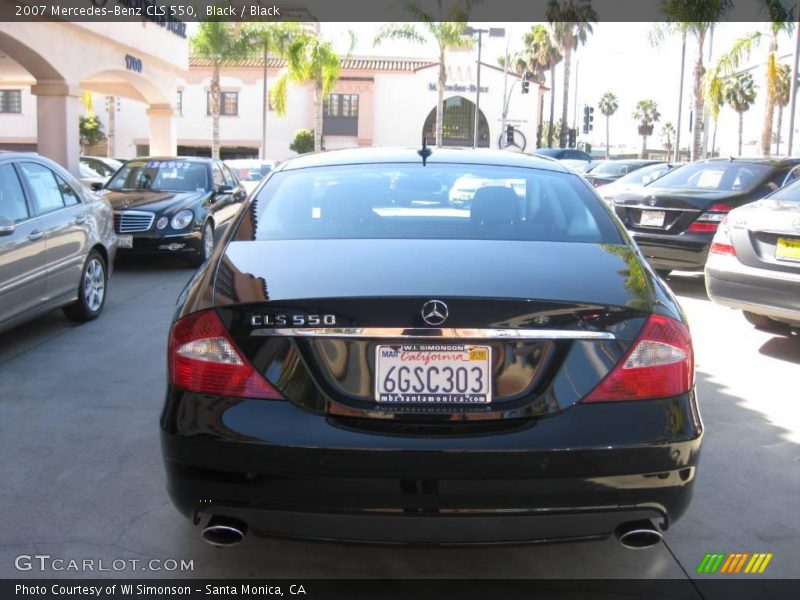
[(434, 312), (652, 201)]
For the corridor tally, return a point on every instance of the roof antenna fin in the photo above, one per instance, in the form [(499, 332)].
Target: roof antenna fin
[(424, 152)]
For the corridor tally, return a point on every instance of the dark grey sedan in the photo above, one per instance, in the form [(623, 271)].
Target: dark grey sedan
[(754, 261), (57, 242)]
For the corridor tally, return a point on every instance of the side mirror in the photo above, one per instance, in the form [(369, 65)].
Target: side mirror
[(96, 186), (223, 189), (7, 227)]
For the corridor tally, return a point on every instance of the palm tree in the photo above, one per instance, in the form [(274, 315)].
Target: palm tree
[(730, 62), (783, 93), (309, 59), (264, 37), (446, 27), (220, 43), (571, 23), (608, 105), (668, 137), (543, 54), (692, 18), (646, 113), (740, 93)]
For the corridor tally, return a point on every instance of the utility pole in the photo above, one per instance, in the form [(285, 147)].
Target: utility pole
[(505, 90), (575, 105), (493, 32), (264, 108)]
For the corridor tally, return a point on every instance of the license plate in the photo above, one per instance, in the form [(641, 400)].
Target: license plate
[(652, 218), (787, 249), (433, 374), (125, 241)]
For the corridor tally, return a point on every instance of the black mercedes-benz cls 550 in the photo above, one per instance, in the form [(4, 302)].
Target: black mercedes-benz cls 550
[(356, 365)]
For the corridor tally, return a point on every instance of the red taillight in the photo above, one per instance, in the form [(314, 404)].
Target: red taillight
[(204, 359), (711, 218), (721, 244), (598, 184), (659, 364)]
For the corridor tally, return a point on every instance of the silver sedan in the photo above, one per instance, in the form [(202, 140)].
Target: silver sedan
[(57, 242), (754, 261)]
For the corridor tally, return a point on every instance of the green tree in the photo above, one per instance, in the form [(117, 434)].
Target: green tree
[(309, 59), (303, 141), (571, 24), (783, 94), (445, 25), (693, 18), (668, 137), (608, 105), (554, 132), (740, 94), (220, 43), (543, 52), (730, 62), (263, 38), (646, 114), (91, 133)]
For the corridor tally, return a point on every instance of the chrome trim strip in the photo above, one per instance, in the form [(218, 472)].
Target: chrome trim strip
[(42, 273), (648, 207), (434, 332)]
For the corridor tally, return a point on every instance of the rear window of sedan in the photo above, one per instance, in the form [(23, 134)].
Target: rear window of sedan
[(445, 201), (720, 176)]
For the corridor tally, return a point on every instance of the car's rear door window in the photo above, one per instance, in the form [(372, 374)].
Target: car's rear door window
[(12, 199), (46, 191), (448, 201)]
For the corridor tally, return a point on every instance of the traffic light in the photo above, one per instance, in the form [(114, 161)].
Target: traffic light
[(525, 84), (509, 134), (588, 118), (572, 135)]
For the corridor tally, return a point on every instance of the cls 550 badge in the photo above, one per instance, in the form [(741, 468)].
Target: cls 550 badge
[(283, 320)]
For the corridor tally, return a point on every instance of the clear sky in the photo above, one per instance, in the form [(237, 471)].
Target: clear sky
[(617, 57)]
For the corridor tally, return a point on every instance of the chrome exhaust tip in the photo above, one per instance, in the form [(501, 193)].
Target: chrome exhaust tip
[(224, 531), (638, 535)]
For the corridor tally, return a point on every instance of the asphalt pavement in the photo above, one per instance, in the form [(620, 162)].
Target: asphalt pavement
[(83, 480)]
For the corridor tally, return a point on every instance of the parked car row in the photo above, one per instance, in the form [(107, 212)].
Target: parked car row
[(738, 220), (59, 235)]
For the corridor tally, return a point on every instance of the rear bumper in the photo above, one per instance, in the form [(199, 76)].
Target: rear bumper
[(760, 291), (287, 472), (684, 252)]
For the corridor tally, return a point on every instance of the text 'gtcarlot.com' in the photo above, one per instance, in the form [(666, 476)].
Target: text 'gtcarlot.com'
[(46, 562)]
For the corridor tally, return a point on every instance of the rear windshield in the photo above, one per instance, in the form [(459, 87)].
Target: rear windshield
[(451, 201), (722, 176), (613, 168), (160, 176), (645, 175), (788, 193)]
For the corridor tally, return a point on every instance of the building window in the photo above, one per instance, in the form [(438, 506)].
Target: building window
[(10, 101), (228, 104), (179, 103), (341, 114)]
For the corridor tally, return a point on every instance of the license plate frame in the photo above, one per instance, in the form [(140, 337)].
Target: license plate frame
[(787, 250), (453, 388), (652, 218), (125, 242)]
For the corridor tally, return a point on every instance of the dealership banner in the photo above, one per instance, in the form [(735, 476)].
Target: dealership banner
[(174, 12), (396, 589)]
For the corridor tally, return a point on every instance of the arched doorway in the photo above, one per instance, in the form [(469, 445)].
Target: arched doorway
[(458, 124)]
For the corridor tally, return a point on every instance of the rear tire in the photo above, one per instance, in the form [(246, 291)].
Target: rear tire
[(206, 247), (91, 290), (765, 323)]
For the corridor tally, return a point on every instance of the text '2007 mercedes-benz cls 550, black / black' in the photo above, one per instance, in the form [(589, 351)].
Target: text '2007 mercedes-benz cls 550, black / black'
[(360, 360)]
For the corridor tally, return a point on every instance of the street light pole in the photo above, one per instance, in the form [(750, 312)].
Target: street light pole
[(794, 89), (680, 102)]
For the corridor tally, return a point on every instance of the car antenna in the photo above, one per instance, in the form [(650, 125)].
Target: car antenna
[(424, 152)]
